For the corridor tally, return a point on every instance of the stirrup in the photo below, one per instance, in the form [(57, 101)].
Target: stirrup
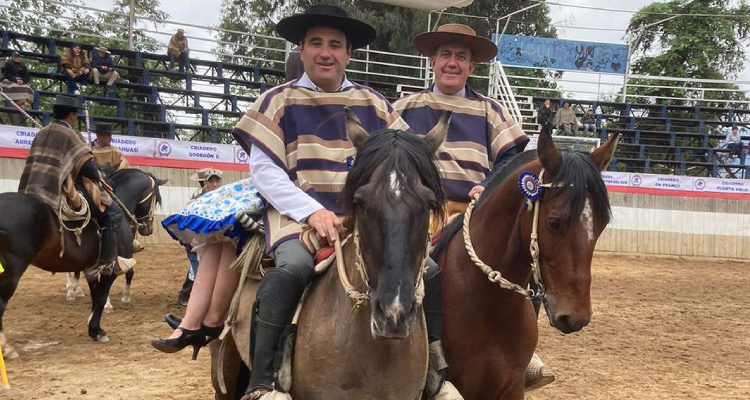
[(123, 265), (263, 394), (447, 392), (537, 374), (137, 246)]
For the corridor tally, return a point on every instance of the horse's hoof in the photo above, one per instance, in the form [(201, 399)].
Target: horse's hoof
[(10, 353), (108, 307), (125, 302), (100, 337), (79, 292), (71, 297)]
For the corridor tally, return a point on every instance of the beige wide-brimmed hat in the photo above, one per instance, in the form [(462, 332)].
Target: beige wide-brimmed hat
[(205, 174), (482, 50)]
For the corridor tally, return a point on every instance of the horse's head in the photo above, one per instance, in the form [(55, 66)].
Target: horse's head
[(390, 193), (573, 212), (145, 209), (139, 192)]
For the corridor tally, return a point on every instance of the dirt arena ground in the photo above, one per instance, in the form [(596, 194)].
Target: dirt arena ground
[(663, 328)]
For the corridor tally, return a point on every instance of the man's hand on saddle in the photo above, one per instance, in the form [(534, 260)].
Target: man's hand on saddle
[(327, 224), (475, 190)]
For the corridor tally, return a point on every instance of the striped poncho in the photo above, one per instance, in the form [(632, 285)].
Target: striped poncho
[(481, 132), (303, 131)]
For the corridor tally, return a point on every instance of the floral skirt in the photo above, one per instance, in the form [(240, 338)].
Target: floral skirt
[(211, 218)]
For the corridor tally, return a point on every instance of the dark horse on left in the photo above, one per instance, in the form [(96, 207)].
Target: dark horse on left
[(30, 234)]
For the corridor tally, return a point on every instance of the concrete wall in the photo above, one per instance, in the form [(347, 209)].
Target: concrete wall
[(641, 223)]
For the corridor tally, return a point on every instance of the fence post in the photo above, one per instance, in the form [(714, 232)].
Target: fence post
[(131, 21)]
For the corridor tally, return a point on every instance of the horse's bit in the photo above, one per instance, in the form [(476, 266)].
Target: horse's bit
[(532, 193)]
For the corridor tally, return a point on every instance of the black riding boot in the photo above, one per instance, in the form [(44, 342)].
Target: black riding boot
[(433, 311), (278, 296), (107, 248)]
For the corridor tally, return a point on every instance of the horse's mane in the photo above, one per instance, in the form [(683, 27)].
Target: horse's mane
[(128, 173), (397, 152), (577, 176)]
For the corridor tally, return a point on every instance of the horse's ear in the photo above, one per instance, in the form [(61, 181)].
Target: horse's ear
[(354, 129), (436, 136), (547, 152), (603, 154), (161, 182)]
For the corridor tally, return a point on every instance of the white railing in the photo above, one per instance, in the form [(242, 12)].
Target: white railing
[(412, 71), (500, 89)]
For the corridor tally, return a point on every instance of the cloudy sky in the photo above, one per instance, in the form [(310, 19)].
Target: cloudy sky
[(572, 22)]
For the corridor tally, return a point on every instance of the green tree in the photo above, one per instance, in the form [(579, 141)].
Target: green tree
[(45, 20), (700, 47)]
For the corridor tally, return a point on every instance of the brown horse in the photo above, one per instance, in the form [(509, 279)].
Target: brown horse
[(30, 234), (490, 333), (379, 352)]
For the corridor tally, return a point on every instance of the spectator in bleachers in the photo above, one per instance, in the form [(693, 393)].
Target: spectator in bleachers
[(178, 50), (544, 114), (16, 87), (565, 119), (734, 144), (589, 122), (103, 67), (76, 66)]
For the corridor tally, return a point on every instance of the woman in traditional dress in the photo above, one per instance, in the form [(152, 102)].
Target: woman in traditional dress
[(216, 225)]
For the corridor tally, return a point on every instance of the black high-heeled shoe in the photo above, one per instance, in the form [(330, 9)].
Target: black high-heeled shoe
[(173, 321), (195, 338), (212, 332)]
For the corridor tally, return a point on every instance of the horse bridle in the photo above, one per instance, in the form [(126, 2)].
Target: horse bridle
[(149, 218), (138, 223), (495, 276), (360, 298)]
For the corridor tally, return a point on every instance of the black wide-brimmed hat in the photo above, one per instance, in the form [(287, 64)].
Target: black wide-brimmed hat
[(65, 101), (103, 129), (293, 28)]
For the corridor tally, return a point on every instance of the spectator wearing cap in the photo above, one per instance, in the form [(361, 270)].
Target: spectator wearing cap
[(105, 154), (76, 67), (209, 179), (178, 50), (16, 86), (103, 67), (589, 122)]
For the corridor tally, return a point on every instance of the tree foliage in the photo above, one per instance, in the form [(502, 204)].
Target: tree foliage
[(699, 47), (396, 27)]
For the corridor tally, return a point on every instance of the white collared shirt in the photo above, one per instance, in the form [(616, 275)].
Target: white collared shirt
[(274, 184), (460, 93)]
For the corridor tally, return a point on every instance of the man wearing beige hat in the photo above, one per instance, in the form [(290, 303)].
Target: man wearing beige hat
[(178, 50), (103, 67), (482, 137), (209, 179)]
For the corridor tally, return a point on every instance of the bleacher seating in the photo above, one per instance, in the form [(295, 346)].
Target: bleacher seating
[(659, 138), (205, 102)]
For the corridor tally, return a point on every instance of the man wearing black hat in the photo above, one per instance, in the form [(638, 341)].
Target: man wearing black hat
[(104, 153), (305, 111), (59, 164)]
